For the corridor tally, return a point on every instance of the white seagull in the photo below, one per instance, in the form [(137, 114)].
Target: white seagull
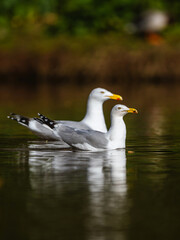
[(92, 140), (94, 118)]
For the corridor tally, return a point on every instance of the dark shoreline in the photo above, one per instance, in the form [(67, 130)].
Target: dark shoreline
[(109, 66)]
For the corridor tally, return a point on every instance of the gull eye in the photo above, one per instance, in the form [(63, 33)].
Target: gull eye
[(102, 92), (119, 108)]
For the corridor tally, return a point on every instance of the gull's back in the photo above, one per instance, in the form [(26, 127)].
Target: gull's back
[(74, 124), (83, 139)]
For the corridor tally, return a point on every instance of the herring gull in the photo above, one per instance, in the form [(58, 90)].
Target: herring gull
[(94, 118), (92, 140)]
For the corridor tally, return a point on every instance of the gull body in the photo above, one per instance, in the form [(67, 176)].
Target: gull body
[(94, 118), (95, 140)]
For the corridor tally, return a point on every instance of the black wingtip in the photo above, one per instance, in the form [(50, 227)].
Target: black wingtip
[(10, 115), (50, 123), (12, 118), (41, 116), (20, 119), (39, 120)]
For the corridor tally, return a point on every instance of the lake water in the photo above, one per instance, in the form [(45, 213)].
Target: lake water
[(48, 192)]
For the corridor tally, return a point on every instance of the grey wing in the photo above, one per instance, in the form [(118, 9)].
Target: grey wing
[(96, 139), (74, 136), (73, 124)]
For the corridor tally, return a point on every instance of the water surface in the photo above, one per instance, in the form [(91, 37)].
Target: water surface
[(48, 192)]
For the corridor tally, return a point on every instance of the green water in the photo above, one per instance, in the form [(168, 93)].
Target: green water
[(48, 192)]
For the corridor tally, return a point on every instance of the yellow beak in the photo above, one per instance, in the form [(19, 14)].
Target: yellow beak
[(132, 110), (116, 97)]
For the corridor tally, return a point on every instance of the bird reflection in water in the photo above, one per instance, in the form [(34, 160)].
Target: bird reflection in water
[(95, 181)]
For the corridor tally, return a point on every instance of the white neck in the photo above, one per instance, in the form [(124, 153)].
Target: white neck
[(94, 117), (117, 133)]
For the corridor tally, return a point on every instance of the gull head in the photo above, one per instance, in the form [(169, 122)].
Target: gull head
[(121, 110), (101, 94)]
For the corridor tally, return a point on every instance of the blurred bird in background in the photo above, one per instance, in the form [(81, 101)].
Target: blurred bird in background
[(150, 24)]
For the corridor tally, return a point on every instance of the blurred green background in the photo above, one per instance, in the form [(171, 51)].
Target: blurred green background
[(85, 41), (76, 17)]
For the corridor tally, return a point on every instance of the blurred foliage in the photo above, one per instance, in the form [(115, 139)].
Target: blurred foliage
[(77, 17)]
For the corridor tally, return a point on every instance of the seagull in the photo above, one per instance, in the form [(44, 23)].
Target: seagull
[(94, 118), (91, 140)]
